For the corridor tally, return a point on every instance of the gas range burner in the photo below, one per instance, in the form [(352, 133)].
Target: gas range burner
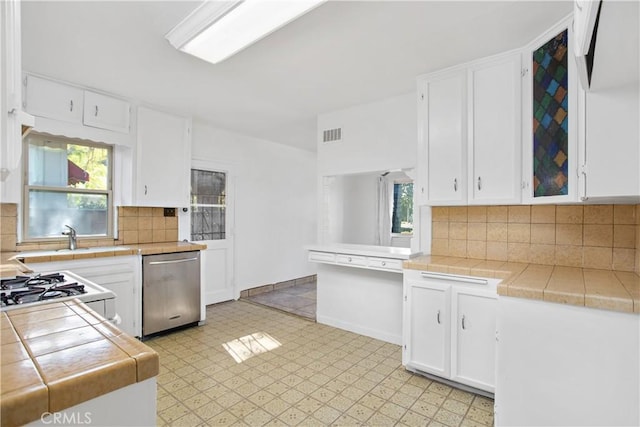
[(27, 289), (26, 281)]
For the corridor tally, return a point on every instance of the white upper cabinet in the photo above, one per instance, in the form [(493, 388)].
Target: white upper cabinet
[(494, 131), (66, 103), (442, 108), (610, 148), (46, 98), (163, 159), (550, 118), (105, 112), (470, 133)]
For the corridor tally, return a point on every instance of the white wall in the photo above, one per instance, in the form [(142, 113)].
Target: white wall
[(275, 203), (378, 136), (359, 209)]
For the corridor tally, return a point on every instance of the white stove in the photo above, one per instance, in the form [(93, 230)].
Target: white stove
[(25, 291)]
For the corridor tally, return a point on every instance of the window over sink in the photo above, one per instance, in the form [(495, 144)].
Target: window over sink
[(67, 182)]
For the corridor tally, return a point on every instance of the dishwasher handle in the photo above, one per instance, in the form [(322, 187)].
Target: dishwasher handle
[(173, 261)]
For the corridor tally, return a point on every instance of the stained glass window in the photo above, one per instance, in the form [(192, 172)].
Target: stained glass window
[(551, 118)]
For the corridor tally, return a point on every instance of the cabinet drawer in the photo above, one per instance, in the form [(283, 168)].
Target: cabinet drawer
[(386, 264), (322, 257), (351, 260)]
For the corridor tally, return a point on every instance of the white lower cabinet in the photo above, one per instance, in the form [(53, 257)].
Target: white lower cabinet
[(119, 274), (473, 337), (427, 327), (449, 327)]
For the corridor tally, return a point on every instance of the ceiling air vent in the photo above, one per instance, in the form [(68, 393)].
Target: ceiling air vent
[(332, 135)]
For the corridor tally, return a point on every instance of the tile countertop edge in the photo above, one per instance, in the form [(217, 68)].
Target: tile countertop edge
[(616, 291), (135, 362), (365, 250)]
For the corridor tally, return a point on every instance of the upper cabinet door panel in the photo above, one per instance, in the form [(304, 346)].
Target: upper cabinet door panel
[(163, 159), (495, 131), (550, 118), (105, 112), (46, 98), (445, 135)]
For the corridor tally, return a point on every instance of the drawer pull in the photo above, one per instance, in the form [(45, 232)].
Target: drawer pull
[(349, 259), (441, 276), (384, 264), (438, 317), (463, 325)]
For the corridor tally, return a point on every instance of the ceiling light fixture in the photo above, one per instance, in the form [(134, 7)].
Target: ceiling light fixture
[(218, 29)]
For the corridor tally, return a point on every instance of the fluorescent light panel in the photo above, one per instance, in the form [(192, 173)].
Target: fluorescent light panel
[(218, 29)]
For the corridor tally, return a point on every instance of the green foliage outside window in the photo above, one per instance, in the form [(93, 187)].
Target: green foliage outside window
[(94, 161), (402, 219)]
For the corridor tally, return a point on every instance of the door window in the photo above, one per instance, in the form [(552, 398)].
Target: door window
[(208, 205)]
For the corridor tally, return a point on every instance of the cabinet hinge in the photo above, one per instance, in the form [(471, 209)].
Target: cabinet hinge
[(524, 72)]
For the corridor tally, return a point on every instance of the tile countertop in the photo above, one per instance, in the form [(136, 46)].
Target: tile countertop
[(603, 289), (45, 367)]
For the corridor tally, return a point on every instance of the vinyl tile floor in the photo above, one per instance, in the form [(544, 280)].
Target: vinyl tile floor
[(251, 365), (298, 299)]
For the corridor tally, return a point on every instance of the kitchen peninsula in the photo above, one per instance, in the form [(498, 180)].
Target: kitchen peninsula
[(360, 288), (46, 371)]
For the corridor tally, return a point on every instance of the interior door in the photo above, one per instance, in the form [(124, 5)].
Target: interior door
[(211, 222)]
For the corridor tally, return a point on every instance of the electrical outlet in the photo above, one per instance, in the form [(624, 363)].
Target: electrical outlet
[(169, 211)]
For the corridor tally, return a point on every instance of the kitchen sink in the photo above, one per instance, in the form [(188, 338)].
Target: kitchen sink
[(94, 250)]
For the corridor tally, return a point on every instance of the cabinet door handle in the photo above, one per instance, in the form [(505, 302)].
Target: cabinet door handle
[(463, 325), (145, 190), (71, 105), (455, 184), (384, 264), (479, 183), (96, 112), (438, 317), (349, 259)]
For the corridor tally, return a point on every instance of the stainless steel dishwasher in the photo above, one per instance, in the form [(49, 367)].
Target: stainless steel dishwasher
[(170, 291)]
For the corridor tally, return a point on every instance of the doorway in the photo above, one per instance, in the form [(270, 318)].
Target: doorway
[(211, 223)]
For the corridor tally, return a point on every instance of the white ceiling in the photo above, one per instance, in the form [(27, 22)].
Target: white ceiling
[(339, 55)]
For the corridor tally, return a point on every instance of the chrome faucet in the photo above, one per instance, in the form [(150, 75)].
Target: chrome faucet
[(73, 244)]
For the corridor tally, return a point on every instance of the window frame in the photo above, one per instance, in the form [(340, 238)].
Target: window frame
[(26, 188)]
